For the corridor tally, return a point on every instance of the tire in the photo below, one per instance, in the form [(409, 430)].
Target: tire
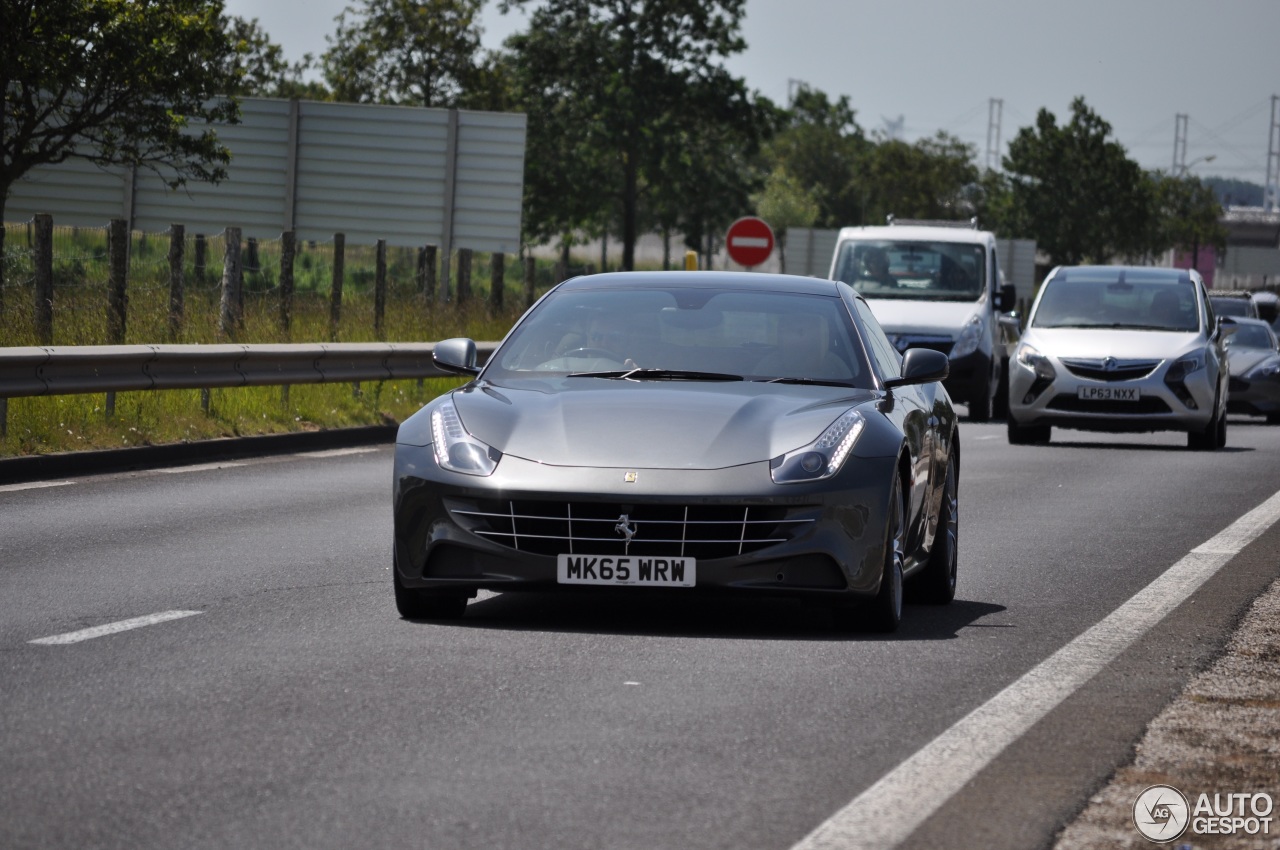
[(1214, 435), (1028, 435), (883, 614), (414, 604), (1273, 418), (1000, 407), (936, 584), (980, 399)]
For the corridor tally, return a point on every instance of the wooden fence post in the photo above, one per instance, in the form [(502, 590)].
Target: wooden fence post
[(1, 268), (464, 275), (427, 270), (288, 245), (44, 277), (117, 280), (497, 280), (530, 280), (380, 290), (177, 299), (199, 261), (335, 291), (230, 316)]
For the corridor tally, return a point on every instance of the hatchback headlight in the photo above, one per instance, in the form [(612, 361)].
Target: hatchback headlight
[(455, 449), (970, 337), (824, 456), (1036, 362), (1183, 367)]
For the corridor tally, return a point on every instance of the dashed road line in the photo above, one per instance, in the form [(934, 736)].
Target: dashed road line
[(113, 628), (33, 485), (884, 815)]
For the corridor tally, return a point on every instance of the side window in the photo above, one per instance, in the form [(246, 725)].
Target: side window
[(1210, 320), (995, 272), (888, 361)]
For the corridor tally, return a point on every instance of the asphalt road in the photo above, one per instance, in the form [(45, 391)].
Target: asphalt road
[(296, 709)]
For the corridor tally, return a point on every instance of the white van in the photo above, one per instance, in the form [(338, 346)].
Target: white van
[(938, 285)]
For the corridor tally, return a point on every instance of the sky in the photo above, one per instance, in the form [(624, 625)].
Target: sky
[(938, 64)]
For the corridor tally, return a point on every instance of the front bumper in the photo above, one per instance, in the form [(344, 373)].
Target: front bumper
[(465, 533), (1160, 406), (1259, 397)]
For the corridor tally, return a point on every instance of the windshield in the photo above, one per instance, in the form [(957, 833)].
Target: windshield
[(1251, 336), (927, 271), (689, 334), (1231, 307), (1167, 304)]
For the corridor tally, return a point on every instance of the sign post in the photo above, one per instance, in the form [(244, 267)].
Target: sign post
[(749, 241)]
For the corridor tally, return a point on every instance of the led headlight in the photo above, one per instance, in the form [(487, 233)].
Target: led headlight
[(970, 336), (1036, 362), (824, 456), (1270, 369), (457, 450)]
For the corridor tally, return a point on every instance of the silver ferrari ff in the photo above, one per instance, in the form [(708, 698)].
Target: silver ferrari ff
[(1255, 370), (679, 433), (1120, 348)]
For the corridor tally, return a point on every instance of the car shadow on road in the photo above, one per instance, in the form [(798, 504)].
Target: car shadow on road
[(1144, 447), (652, 615)]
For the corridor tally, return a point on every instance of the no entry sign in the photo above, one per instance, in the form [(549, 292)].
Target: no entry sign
[(749, 241)]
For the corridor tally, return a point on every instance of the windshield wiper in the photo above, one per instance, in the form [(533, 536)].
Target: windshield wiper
[(657, 375), (822, 382)]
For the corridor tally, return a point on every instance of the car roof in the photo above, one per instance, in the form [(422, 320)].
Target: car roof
[(1218, 293), (1246, 320), (1146, 274), (750, 281), (917, 233)]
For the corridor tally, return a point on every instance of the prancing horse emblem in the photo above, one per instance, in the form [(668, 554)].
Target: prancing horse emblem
[(627, 529)]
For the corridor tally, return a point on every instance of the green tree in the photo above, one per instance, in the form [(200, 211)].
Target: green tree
[(1189, 215), (821, 146), (1075, 190), (114, 82), (262, 68), (784, 203), (927, 179), (411, 52), (615, 70)]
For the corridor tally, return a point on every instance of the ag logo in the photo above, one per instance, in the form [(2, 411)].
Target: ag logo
[(1161, 813)]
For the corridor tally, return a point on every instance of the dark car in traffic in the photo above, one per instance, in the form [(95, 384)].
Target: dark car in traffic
[(682, 433), (1254, 358)]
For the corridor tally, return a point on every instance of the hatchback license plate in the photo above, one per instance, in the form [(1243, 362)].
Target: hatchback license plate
[(1108, 393), (626, 570)]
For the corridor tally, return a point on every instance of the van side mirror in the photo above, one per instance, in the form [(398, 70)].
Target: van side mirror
[(1006, 298)]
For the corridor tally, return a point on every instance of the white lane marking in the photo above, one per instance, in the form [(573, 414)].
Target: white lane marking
[(986, 437), (888, 812), (198, 467), (113, 628), (34, 485), (340, 452)]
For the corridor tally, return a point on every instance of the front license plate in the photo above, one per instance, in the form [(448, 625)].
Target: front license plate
[(626, 570), (1108, 393)]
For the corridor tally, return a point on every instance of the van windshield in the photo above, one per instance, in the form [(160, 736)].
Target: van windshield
[(926, 271)]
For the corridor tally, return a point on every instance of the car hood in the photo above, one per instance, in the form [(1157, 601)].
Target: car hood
[(650, 424), (1100, 343), (1244, 360), (941, 318)]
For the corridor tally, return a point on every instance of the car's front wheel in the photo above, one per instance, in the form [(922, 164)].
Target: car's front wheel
[(936, 584), (1026, 435), (884, 612), (1214, 435), (416, 604)]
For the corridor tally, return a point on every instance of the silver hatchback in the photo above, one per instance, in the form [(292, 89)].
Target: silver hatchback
[(1120, 348)]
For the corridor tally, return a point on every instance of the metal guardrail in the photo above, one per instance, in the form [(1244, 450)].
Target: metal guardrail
[(71, 370)]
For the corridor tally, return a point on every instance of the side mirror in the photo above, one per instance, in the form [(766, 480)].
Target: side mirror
[(1006, 298), (921, 366), (457, 356)]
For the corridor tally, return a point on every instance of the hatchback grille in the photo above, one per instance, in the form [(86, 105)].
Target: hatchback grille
[(599, 528), (1237, 385), (1143, 406), (1111, 369)]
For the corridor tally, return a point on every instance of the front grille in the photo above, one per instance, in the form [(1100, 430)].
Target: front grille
[(1145, 405), (1110, 369), (1237, 385), (599, 528)]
